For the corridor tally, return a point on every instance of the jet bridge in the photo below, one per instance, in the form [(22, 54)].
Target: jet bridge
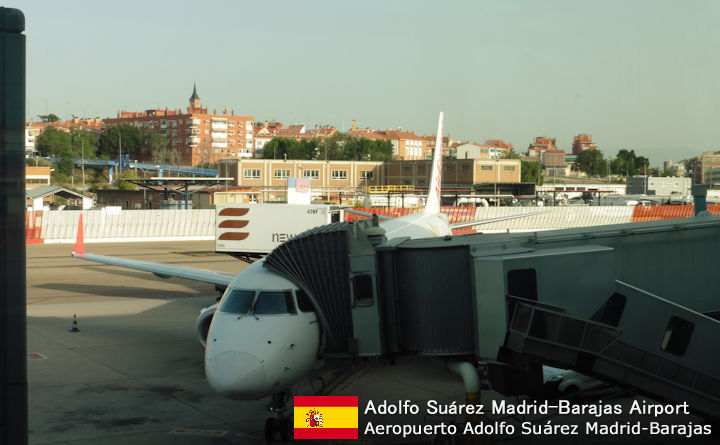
[(604, 300)]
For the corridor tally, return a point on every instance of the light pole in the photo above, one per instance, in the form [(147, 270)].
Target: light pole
[(82, 163), (497, 179), (120, 164)]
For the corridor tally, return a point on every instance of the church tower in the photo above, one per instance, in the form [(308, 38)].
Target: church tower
[(194, 101)]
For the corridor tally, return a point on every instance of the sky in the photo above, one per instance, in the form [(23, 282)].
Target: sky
[(639, 74)]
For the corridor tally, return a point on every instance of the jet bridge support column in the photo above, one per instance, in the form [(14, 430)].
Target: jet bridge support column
[(13, 371), (470, 377)]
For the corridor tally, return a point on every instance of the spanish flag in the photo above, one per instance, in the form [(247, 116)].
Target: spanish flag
[(326, 417)]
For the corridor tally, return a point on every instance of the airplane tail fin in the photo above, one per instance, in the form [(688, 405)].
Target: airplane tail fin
[(432, 206), (79, 248)]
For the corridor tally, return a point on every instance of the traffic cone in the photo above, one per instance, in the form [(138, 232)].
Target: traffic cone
[(75, 325)]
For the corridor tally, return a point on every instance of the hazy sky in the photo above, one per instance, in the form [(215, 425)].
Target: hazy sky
[(635, 74)]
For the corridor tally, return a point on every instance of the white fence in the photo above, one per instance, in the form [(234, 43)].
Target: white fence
[(199, 224), (554, 217), (129, 225)]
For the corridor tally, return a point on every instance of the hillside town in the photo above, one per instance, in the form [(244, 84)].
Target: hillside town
[(97, 155)]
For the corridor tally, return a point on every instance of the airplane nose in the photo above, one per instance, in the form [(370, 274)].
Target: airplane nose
[(235, 373)]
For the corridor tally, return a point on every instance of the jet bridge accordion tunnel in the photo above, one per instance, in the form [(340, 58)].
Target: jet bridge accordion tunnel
[(364, 310), (509, 302)]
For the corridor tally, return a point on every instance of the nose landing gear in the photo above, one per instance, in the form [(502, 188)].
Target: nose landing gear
[(281, 424)]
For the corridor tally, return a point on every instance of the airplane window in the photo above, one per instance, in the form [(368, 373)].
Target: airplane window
[(275, 303), (238, 301), (303, 301)]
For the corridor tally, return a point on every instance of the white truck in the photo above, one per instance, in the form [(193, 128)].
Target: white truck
[(250, 231)]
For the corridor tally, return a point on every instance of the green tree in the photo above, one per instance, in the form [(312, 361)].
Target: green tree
[(54, 142), (591, 162), (339, 146), (627, 163), (84, 143), (111, 139), (134, 141), (65, 166), (529, 171), (49, 117)]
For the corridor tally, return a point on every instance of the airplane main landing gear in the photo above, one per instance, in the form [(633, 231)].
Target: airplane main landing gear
[(280, 424)]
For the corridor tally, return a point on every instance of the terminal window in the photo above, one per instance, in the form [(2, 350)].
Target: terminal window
[(339, 174), (252, 173), (282, 174)]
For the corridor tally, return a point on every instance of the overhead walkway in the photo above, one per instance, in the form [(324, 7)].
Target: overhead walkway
[(165, 168)]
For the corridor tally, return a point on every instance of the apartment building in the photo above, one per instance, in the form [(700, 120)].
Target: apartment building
[(539, 145), (196, 136), (583, 142), (708, 164)]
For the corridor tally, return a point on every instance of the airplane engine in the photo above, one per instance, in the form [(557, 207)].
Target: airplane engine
[(203, 322)]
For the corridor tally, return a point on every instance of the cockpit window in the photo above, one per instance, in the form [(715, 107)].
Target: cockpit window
[(238, 301), (303, 301), (275, 303)]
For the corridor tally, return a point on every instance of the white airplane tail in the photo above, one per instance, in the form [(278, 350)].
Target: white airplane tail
[(432, 206)]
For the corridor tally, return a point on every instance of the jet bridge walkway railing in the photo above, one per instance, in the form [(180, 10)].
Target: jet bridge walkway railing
[(598, 349)]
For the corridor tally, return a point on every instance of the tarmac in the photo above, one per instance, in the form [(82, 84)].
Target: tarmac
[(133, 373)]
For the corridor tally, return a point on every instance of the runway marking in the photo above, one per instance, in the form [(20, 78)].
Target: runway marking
[(195, 432), (35, 356)]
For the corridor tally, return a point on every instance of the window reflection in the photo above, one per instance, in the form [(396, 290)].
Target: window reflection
[(274, 303), (238, 301)]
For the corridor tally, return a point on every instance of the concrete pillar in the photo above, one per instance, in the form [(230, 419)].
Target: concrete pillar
[(13, 364), (699, 192)]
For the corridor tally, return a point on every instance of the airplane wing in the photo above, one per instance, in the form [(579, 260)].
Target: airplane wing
[(161, 270), (369, 215), (478, 222)]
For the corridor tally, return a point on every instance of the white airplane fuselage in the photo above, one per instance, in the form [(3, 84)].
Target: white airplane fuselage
[(260, 342), (250, 353)]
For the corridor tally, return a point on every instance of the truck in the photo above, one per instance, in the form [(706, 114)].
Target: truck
[(250, 231)]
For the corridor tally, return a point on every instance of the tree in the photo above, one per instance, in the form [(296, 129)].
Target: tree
[(339, 146), (65, 166), (84, 143), (54, 142), (531, 172), (120, 136), (49, 117), (591, 162), (628, 164), (135, 142)]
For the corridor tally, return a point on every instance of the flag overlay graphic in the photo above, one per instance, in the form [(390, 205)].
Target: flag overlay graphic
[(326, 417)]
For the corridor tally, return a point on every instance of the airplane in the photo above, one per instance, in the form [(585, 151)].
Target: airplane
[(263, 336)]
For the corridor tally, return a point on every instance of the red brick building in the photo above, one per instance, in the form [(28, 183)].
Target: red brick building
[(582, 142), (540, 145), (196, 136)]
